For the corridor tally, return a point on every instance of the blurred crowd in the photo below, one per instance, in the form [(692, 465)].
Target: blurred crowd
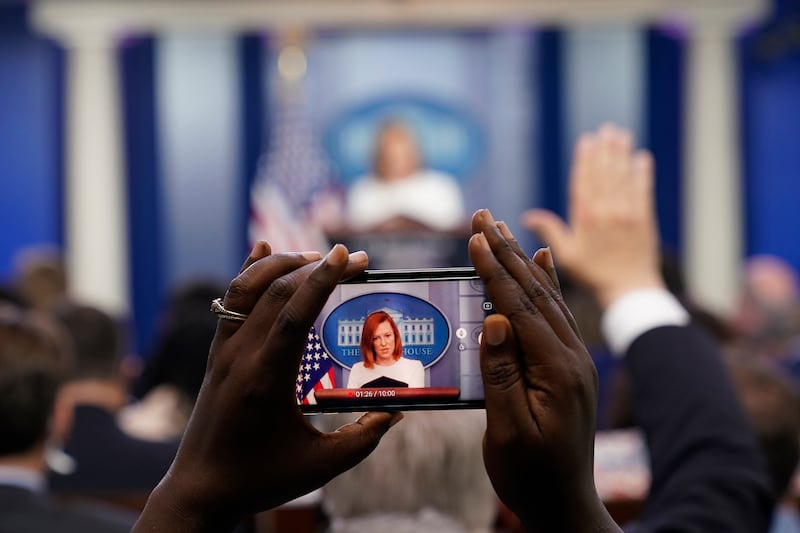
[(93, 426)]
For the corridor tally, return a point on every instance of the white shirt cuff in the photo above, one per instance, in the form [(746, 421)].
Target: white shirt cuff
[(637, 312)]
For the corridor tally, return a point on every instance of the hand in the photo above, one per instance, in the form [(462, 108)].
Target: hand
[(247, 447), (541, 389), (611, 242)]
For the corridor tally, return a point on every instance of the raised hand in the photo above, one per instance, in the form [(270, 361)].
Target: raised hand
[(610, 243)]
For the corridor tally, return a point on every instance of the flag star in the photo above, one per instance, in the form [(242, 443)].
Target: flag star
[(306, 377), (316, 366), (308, 368), (324, 355), (299, 387), (316, 356), (310, 347), (317, 346), (310, 336)]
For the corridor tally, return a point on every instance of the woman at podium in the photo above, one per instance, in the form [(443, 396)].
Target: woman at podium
[(382, 362), (400, 194)]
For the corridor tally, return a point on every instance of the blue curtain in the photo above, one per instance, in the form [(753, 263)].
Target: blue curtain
[(770, 111), (136, 59), (31, 137), (663, 87), (552, 167)]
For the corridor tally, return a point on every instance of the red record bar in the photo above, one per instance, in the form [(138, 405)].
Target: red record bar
[(386, 394)]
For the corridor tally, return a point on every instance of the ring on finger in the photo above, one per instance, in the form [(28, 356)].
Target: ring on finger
[(218, 309)]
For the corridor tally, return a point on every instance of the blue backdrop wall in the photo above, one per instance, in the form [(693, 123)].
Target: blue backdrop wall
[(31, 133), (31, 88)]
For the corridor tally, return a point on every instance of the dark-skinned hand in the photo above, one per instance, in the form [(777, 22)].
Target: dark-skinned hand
[(541, 389), (247, 447)]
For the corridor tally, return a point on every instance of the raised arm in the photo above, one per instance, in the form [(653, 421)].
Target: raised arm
[(707, 470)]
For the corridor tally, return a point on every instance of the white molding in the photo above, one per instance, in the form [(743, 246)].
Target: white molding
[(59, 17)]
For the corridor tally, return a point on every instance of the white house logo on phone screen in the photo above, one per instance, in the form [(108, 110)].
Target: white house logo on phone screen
[(424, 330)]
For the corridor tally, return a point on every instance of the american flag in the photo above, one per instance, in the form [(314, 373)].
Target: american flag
[(316, 370), (290, 196)]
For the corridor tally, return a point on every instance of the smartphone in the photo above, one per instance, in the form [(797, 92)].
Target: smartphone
[(396, 340)]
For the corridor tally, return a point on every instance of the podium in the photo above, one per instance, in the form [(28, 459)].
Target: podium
[(409, 248)]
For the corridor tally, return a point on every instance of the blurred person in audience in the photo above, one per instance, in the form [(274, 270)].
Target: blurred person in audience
[(104, 458), (401, 194), (34, 361), (41, 279), (767, 319), (173, 373), (772, 404), (425, 475), (708, 472)]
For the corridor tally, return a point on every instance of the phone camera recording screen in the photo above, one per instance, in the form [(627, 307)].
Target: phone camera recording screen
[(398, 339)]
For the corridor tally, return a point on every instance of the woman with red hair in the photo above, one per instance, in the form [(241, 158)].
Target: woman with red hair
[(382, 362)]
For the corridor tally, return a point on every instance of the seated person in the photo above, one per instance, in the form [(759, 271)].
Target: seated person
[(402, 195), (106, 459), (383, 364), (33, 363), (174, 371), (772, 404)]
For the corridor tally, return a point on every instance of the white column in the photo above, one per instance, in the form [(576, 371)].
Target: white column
[(712, 190), (96, 223)]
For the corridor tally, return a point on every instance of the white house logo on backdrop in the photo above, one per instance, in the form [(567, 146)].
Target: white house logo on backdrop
[(424, 330)]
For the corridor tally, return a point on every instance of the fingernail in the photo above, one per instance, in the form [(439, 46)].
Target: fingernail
[(494, 331), (336, 256), (396, 417), (260, 249), (488, 215), (505, 231), (481, 240), (549, 257), (359, 257), (311, 255)]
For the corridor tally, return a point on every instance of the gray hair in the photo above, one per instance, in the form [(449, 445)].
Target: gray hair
[(427, 474)]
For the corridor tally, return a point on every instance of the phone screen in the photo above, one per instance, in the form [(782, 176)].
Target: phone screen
[(396, 339)]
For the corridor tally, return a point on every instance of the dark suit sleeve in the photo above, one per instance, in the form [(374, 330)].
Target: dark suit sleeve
[(708, 474)]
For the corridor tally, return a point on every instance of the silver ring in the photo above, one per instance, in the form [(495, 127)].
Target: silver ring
[(218, 309)]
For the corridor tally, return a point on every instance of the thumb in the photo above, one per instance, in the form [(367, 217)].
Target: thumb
[(547, 225), (351, 443)]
